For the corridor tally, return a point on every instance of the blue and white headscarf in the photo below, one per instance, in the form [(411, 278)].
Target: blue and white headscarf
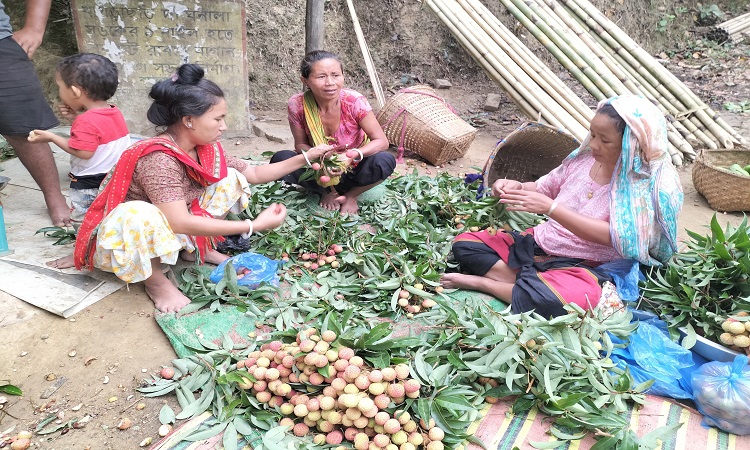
[(645, 195)]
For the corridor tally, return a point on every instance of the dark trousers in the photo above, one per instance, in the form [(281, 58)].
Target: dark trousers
[(372, 169)]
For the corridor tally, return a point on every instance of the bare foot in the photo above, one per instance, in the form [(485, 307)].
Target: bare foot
[(166, 297), (59, 212), (212, 256), (65, 262), (328, 201), (348, 204), (459, 281)]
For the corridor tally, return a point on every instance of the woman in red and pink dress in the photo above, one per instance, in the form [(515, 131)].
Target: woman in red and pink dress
[(329, 116)]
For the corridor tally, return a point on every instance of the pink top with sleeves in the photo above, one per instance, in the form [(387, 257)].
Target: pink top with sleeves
[(162, 178), (354, 108), (569, 184)]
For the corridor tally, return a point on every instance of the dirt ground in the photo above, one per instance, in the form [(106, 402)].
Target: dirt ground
[(117, 342)]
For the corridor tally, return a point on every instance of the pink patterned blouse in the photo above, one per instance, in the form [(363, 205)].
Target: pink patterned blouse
[(570, 184), (354, 108)]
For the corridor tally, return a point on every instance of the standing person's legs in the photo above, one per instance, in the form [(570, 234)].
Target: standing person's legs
[(23, 108), (38, 160)]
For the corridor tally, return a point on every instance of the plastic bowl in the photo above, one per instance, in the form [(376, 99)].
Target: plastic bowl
[(711, 350)]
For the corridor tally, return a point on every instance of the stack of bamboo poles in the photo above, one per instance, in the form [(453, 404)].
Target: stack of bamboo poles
[(733, 29), (528, 82), (594, 51)]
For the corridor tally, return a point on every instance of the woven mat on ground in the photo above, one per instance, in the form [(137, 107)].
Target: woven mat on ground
[(500, 430)]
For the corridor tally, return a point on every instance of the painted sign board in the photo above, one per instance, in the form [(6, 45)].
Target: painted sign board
[(148, 40)]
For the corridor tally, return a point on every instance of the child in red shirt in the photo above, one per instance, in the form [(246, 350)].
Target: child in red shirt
[(98, 135)]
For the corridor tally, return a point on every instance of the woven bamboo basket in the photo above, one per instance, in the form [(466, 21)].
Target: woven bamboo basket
[(419, 120), (724, 189), (529, 152)]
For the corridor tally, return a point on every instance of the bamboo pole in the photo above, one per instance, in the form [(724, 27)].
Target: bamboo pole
[(707, 116), (546, 105), (566, 27), (632, 85), (561, 34), (690, 130), (521, 102), (561, 56), (627, 60), (536, 69), (379, 96)]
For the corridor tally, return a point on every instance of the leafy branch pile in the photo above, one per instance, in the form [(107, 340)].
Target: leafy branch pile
[(704, 284), (462, 355)]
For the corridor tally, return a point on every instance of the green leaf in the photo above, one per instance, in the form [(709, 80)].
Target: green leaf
[(454, 403), (10, 389), (206, 434), (166, 415), (229, 440), (690, 337), (548, 444)]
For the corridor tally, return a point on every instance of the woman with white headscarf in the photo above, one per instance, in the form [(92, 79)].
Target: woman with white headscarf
[(615, 197)]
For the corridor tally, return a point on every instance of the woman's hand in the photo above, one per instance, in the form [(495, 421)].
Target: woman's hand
[(317, 152), (270, 218), (502, 185), (523, 200)]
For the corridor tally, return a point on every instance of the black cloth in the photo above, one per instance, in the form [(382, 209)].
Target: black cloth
[(86, 181), (530, 292), (23, 107), (372, 169)]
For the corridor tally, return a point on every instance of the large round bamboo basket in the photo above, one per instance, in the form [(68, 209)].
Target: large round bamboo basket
[(419, 120), (526, 154), (724, 189)]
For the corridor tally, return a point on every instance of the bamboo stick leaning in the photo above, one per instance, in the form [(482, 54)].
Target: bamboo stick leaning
[(374, 80)]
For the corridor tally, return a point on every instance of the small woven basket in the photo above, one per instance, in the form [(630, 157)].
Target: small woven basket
[(421, 121), (724, 189), (526, 154)]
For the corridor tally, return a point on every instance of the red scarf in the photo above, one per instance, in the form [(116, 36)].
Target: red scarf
[(115, 187)]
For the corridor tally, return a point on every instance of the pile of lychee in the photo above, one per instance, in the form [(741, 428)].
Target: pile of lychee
[(737, 333), (324, 389), (314, 261), (414, 304)]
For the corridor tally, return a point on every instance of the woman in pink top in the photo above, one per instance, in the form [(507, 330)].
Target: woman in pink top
[(616, 197), (329, 116)]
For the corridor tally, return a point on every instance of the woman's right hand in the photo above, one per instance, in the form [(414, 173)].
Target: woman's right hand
[(500, 186), (317, 152), (271, 217)]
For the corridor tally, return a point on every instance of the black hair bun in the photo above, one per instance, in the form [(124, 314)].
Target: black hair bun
[(190, 74)]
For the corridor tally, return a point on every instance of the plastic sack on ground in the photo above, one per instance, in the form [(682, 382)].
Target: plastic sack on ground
[(625, 275), (651, 355), (722, 393), (261, 269)]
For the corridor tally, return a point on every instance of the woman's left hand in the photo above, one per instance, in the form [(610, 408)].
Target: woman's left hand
[(523, 200)]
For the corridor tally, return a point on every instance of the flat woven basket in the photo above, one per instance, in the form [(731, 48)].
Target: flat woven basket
[(724, 189), (419, 120), (526, 154)]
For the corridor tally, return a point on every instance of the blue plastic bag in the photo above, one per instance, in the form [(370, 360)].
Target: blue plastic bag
[(722, 393), (625, 273), (649, 355), (261, 270)]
